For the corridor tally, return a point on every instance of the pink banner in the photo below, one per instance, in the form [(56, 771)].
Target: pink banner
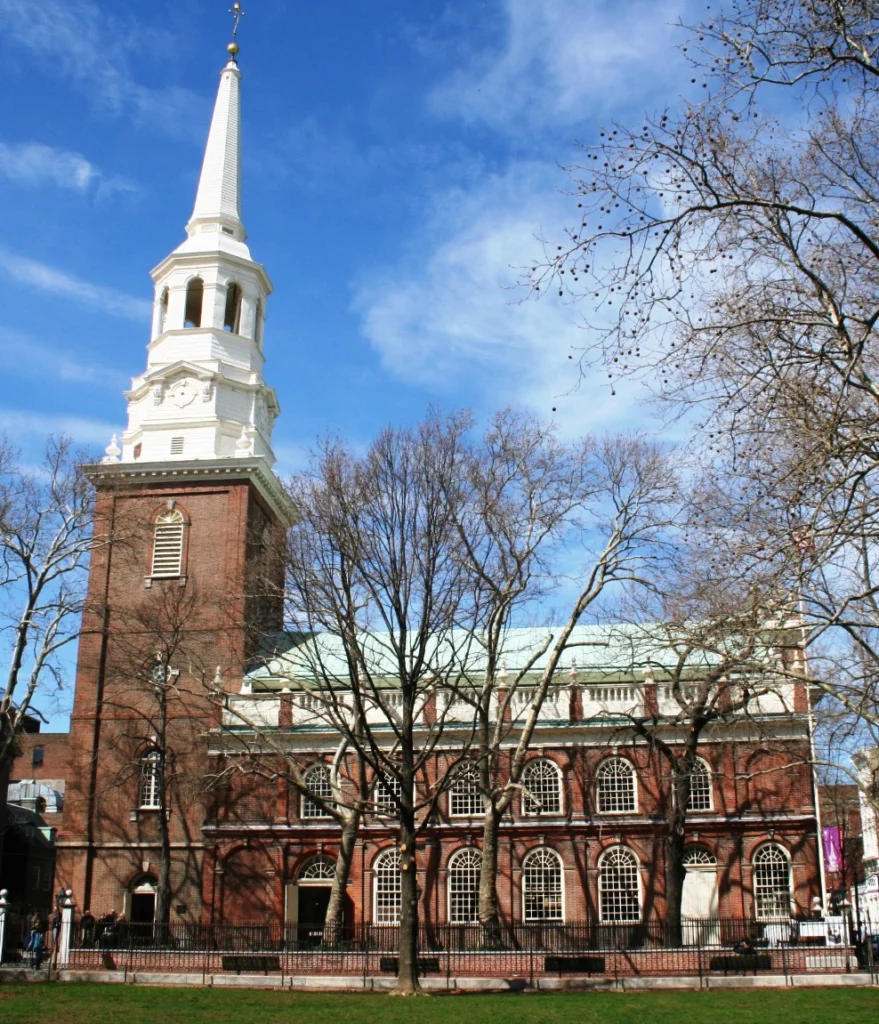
[(832, 848)]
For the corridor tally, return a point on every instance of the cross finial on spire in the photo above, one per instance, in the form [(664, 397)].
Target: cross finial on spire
[(237, 15)]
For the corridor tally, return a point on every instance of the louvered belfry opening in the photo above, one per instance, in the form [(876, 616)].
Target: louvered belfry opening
[(168, 544)]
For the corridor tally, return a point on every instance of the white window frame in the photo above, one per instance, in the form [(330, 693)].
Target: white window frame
[(382, 798), (150, 788), (704, 769), (760, 913), (603, 772), (458, 895), (308, 809), (386, 867), (544, 853), (465, 790), (603, 866), (531, 809)]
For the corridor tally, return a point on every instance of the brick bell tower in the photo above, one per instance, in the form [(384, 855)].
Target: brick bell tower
[(189, 513)]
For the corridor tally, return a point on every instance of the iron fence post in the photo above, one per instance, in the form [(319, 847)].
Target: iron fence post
[(3, 894)]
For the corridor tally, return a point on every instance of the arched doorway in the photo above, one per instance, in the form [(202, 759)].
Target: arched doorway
[(699, 905), (142, 907), (307, 901)]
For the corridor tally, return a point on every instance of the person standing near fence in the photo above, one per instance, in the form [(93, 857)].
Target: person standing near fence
[(87, 929), (38, 940), (56, 935)]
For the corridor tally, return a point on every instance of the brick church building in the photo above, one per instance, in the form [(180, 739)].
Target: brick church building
[(190, 500)]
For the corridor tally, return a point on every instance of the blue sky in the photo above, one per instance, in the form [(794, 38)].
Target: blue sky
[(399, 159)]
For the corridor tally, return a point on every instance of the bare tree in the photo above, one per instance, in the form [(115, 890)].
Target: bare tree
[(535, 515), (46, 520), (730, 257)]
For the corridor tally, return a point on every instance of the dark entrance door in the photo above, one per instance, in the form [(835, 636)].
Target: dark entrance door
[(313, 902), (143, 913)]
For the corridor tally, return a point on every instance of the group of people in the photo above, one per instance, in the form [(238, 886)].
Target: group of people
[(109, 930)]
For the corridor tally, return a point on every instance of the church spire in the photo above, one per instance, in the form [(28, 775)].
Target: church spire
[(218, 199)]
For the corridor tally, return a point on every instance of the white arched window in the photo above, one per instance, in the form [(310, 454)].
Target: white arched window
[(541, 782), (385, 791), (386, 887), (465, 799), (616, 786), (772, 897), (542, 895), (232, 315), (151, 780), (464, 868), (163, 312), (619, 887), (318, 869), (700, 787), (194, 302), (168, 544), (317, 778)]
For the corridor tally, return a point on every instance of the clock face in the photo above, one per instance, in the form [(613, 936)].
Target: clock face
[(183, 392)]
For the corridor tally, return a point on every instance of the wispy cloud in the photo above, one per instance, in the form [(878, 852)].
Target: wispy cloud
[(48, 361), (56, 282), (21, 426), (454, 319), (562, 62), (35, 165), (94, 48)]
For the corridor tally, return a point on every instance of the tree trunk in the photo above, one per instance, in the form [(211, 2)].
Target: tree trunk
[(334, 924), (489, 908), (163, 889), (674, 885), (407, 975)]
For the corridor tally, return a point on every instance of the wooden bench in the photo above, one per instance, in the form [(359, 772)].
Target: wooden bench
[(251, 963), (574, 964), (739, 963), (424, 965)]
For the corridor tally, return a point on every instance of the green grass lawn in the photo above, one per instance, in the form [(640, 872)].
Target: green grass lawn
[(96, 1004)]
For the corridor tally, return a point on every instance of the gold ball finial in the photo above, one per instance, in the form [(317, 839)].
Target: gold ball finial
[(233, 48)]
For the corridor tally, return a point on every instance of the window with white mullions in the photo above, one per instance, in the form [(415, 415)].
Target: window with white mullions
[(542, 898), (319, 869), (772, 895), (541, 782), (464, 870), (168, 544), (465, 799), (615, 784), (619, 886), (385, 791), (386, 887), (700, 787), (317, 778), (151, 780)]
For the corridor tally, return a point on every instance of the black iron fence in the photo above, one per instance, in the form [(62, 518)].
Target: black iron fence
[(520, 950)]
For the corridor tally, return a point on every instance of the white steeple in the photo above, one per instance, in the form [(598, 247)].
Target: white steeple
[(202, 396)]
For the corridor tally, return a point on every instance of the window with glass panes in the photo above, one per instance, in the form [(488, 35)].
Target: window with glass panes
[(616, 786), (150, 781), (618, 886), (771, 883), (386, 887), (465, 799), (700, 787), (542, 886), (541, 781), (317, 778), (464, 868)]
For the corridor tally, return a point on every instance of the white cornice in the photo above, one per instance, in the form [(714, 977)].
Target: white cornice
[(253, 468)]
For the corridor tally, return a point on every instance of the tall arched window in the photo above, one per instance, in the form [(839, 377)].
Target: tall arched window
[(317, 778), (619, 887), (700, 787), (465, 799), (151, 780), (771, 883), (542, 898), (464, 868), (541, 781), (168, 543), (232, 316), (386, 887), (616, 786), (194, 302)]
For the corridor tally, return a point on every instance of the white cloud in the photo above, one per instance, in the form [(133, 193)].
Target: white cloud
[(565, 62), (56, 282), (450, 317), (83, 42), (35, 165), (19, 425), (45, 360)]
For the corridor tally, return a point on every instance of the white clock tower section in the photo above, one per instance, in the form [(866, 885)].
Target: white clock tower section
[(202, 396)]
